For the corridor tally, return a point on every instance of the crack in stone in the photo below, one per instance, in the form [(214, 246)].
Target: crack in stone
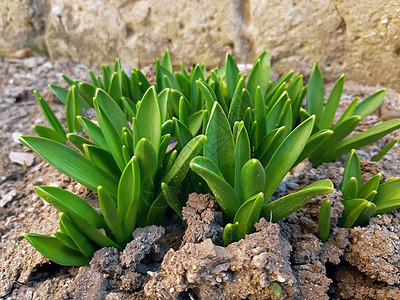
[(242, 23)]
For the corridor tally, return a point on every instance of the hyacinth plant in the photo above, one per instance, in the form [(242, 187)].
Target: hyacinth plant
[(361, 201), (336, 145), (269, 110), (241, 185), (127, 165), (245, 132)]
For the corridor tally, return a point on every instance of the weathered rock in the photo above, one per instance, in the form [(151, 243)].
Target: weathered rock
[(203, 219), (374, 249), (244, 269), (357, 39), (352, 284)]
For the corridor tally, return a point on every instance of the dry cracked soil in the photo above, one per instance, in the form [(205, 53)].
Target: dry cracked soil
[(174, 262)]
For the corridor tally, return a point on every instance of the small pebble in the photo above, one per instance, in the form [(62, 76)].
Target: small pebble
[(15, 136), (33, 62), (7, 198), (22, 158)]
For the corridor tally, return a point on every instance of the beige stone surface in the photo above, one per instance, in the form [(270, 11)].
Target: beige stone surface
[(95, 31), (357, 38), (21, 25)]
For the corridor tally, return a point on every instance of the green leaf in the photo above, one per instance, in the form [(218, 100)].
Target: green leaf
[(369, 186), (295, 87), (182, 132), (242, 154), (180, 167), (340, 131), (111, 135), (92, 232), (59, 91), (349, 111), (387, 206), (61, 156), (195, 96), (85, 245), (352, 169), (364, 138), (184, 85), (370, 104), (223, 192), (219, 146), (388, 190), (163, 102), (165, 139), (112, 110), (252, 180), (149, 120), (231, 233), (315, 94), (278, 87), (285, 206), (110, 214), (66, 240), (78, 141), (353, 210), (260, 117), (50, 134), (324, 220), (102, 159), (332, 105), (314, 142), (129, 190), (248, 214), (208, 94), (73, 110), (173, 202), (231, 73), (70, 204), (269, 144), (49, 114), (87, 91), (385, 150), (107, 73), (238, 104), (195, 121), (370, 197), (156, 212), (93, 131), (56, 251), (275, 112), (182, 111), (167, 62), (147, 158), (129, 107), (259, 75), (286, 155), (350, 191), (167, 127)]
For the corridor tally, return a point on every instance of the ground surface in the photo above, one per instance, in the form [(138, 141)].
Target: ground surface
[(169, 263)]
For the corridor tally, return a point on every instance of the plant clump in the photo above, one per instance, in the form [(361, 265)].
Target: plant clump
[(216, 131)]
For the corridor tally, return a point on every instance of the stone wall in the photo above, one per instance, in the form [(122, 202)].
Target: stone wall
[(358, 38)]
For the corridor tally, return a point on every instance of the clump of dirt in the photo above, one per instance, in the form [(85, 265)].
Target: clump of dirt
[(352, 284), (120, 273), (244, 269), (203, 220), (374, 249)]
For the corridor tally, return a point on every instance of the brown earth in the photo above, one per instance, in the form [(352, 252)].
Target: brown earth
[(163, 263)]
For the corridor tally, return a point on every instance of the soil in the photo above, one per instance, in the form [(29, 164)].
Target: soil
[(174, 262)]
